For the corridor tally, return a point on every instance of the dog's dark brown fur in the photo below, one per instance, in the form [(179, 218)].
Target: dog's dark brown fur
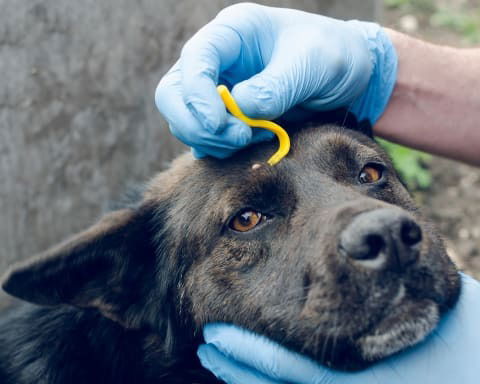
[(126, 300)]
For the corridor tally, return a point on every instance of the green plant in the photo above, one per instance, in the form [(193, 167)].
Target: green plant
[(396, 3), (412, 6), (463, 18), (462, 21), (410, 164)]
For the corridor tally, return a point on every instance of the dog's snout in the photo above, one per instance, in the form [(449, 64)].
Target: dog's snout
[(385, 238)]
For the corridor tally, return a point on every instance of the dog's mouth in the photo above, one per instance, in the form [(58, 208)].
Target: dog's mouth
[(405, 324), (401, 328), (410, 316)]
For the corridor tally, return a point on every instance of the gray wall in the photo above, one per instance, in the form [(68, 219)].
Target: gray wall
[(77, 119)]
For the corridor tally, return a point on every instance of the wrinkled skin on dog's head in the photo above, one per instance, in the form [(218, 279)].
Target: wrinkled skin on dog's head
[(324, 253)]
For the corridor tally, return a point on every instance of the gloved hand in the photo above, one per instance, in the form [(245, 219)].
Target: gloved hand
[(451, 354), (275, 59)]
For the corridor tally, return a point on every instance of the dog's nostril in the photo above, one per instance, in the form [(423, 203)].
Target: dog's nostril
[(375, 243), (362, 247), (410, 233)]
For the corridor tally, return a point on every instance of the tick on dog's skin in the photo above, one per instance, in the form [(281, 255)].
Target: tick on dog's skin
[(325, 253)]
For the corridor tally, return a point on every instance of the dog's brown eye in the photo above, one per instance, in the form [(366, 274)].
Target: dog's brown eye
[(370, 174), (246, 220)]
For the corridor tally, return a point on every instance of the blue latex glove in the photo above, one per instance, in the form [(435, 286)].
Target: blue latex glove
[(451, 354), (276, 59)]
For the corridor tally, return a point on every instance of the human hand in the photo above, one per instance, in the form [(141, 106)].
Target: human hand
[(276, 59), (451, 354)]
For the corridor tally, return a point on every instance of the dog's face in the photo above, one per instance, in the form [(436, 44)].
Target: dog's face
[(324, 253)]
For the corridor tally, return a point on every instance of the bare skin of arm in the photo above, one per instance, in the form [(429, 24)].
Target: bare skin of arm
[(435, 105)]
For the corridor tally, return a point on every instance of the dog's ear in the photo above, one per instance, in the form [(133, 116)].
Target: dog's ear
[(110, 266)]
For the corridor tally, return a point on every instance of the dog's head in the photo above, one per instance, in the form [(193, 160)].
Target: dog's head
[(325, 253)]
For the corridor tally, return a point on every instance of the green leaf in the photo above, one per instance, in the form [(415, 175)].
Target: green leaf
[(396, 3), (466, 23), (410, 164)]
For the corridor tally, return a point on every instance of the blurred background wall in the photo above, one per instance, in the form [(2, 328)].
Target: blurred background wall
[(78, 123)]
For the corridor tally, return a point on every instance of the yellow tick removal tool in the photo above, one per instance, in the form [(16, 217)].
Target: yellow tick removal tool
[(233, 108)]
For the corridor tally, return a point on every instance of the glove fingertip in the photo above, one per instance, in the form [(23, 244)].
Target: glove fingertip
[(262, 135), (160, 93), (197, 153), (217, 363), (204, 353), (211, 331), (208, 111), (244, 135), (257, 98), (229, 370)]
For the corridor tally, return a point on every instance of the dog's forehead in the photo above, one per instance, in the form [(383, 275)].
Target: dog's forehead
[(331, 141), (316, 145)]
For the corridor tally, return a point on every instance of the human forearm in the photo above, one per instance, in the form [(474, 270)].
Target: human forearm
[(435, 105), (255, 49)]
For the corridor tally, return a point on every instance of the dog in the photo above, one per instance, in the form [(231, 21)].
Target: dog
[(325, 253)]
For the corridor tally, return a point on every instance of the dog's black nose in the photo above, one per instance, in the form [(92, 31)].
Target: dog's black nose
[(382, 238)]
